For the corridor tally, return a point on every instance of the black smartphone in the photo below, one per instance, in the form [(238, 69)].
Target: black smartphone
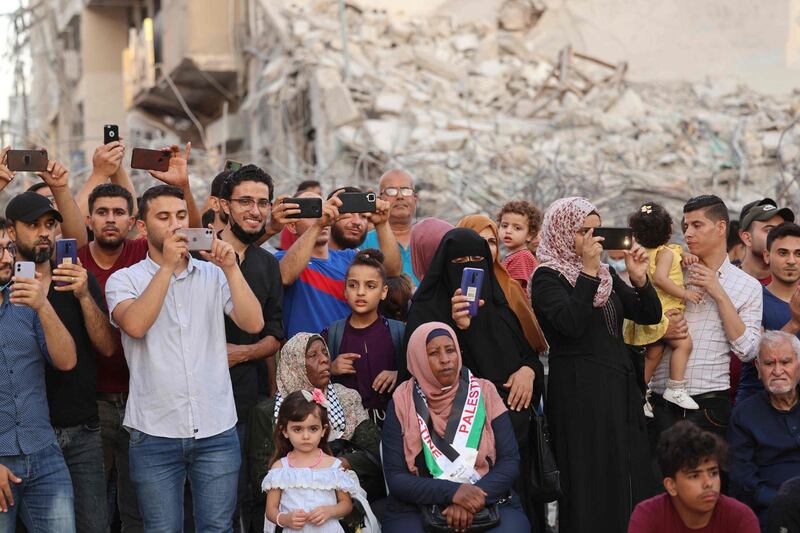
[(357, 202), (615, 238), (146, 159), (27, 160), (66, 252), (309, 207), (232, 165), (110, 133)]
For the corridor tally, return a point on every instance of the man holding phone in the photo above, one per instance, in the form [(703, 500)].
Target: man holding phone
[(313, 274), (245, 198), (71, 395), (180, 411), (349, 231), (32, 469)]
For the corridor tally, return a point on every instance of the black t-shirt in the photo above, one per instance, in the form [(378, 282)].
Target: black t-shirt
[(263, 274), (71, 394)]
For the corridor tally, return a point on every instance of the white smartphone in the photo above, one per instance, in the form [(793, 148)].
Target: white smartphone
[(25, 269), (199, 238)]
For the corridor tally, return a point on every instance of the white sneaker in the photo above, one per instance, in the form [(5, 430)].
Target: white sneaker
[(680, 397)]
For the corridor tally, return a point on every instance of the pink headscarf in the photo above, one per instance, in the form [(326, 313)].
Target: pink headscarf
[(425, 238), (440, 401), (556, 249)]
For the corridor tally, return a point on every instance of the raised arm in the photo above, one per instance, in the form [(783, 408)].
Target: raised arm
[(54, 334), (177, 175), (296, 258), (57, 178), (387, 242), (106, 161)]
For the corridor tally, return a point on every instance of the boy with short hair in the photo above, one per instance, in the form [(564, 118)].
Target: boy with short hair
[(519, 223), (690, 460)]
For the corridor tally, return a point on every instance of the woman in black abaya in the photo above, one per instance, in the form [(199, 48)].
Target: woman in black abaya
[(594, 403), (493, 344)]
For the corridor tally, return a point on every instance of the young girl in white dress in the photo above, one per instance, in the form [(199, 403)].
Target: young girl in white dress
[(307, 490)]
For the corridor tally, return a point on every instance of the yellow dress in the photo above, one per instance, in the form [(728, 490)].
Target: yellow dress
[(641, 335)]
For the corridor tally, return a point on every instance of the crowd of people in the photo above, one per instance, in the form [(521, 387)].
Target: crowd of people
[(336, 374)]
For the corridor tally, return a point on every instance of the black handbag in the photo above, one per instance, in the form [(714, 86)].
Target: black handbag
[(433, 521), (545, 480)]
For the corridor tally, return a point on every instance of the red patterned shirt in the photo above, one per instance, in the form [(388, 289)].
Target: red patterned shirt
[(520, 266)]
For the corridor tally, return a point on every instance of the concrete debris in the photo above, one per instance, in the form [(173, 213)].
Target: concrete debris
[(478, 117)]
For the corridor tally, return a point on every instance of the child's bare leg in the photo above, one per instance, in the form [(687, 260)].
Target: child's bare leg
[(681, 349), (652, 356)]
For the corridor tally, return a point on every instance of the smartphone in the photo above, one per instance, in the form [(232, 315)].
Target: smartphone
[(471, 282), (309, 207), (615, 238), (25, 269), (110, 133), (232, 165), (27, 160), (199, 238), (146, 159), (357, 202), (66, 252)]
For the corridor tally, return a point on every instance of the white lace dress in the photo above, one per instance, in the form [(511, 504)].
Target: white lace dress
[(309, 488)]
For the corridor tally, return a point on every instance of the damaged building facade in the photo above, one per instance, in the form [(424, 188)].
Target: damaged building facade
[(481, 100)]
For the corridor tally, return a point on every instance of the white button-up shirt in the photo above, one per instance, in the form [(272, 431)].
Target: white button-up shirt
[(708, 369), (179, 385)]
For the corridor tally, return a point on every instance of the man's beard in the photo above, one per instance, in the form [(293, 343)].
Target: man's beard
[(5, 278), (37, 256), (244, 236), (223, 216), (343, 241), (109, 244)]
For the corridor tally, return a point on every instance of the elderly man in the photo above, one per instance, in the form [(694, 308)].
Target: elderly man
[(764, 431)]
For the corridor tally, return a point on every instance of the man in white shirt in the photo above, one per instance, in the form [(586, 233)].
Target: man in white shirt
[(180, 411), (727, 320)]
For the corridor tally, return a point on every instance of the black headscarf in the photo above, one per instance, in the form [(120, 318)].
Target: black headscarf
[(494, 346)]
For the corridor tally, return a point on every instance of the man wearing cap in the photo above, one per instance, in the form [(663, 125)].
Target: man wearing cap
[(78, 301), (757, 219)]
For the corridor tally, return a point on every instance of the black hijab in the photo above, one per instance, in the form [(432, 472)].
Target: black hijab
[(494, 346)]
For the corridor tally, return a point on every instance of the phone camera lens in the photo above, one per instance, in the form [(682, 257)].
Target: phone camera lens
[(27, 160)]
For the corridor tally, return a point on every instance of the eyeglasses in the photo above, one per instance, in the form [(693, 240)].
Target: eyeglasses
[(12, 249), (394, 191), (248, 203)]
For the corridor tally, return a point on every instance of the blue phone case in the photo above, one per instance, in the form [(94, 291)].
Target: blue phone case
[(66, 249), (471, 282)]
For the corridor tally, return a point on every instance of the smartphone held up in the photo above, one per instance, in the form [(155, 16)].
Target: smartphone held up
[(615, 238), (471, 283)]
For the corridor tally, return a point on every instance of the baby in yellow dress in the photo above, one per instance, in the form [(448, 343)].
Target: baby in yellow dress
[(652, 228)]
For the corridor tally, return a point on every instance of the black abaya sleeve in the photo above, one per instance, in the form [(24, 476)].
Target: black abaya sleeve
[(569, 313), (641, 305)]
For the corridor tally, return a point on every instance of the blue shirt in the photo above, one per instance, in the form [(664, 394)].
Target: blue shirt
[(316, 298), (776, 315), (765, 450), (405, 253), (24, 417)]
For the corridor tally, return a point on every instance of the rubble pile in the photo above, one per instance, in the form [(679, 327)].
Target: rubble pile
[(478, 117)]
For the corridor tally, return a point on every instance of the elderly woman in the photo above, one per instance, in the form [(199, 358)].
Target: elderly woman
[(594, 401), (448, 442), (305, 365)]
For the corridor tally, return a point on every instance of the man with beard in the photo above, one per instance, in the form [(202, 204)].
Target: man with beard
[(79, 303), (313, 274), (220, 217), (349, 232), (111, 219), (781, 296), (765, 428), (181, 414), (33, 475), (397, 188), (245, 199), (757, 219)]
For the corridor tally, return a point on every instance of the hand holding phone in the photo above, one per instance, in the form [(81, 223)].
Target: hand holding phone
[(146, 159), (615, 238), (27, 290), (27, 160), (110, 133), (66, 252), (471, 283), (198, 239), (310, 207)]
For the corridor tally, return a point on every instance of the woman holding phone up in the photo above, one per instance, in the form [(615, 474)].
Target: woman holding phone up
[(594, 402), (493, 344)]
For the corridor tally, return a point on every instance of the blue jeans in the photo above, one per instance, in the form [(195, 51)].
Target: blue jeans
[(83, 453), (44, 499), (115, 456), (159, 467)]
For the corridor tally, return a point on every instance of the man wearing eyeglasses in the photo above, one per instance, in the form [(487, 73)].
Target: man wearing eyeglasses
[(245, 198), (397, 188)]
